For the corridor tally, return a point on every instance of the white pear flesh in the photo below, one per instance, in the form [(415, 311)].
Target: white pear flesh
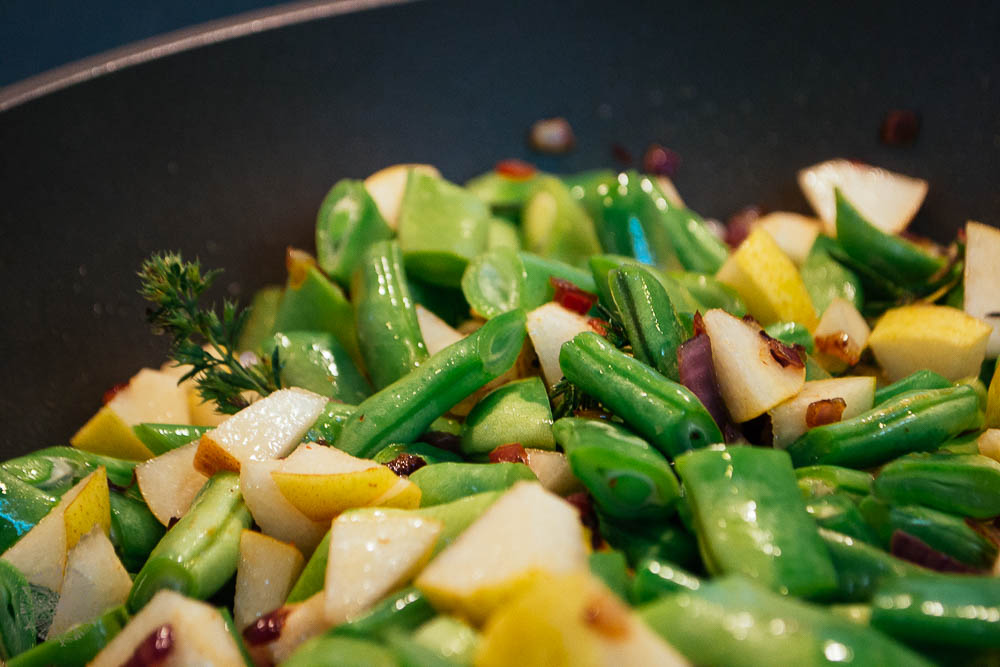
[(199, 633), (549, 326), (95, 581), (371, 553), (553, 471), (387, 186), (266, 572), (276, 516), (841, 335), (750, 379), (169, 482), (526, 534), (788, 420), (794, 233), (982, 279), (305, 620), (886, 199), (437, 333)]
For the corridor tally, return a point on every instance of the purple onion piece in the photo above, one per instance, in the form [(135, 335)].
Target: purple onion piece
[(914, 550), (694, 362)]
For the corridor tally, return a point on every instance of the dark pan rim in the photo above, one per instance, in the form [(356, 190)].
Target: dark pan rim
[(167, 44)]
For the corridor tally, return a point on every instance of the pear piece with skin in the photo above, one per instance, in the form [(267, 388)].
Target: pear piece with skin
[(982, 279), (549, 326), (169, 482), (266, 571)]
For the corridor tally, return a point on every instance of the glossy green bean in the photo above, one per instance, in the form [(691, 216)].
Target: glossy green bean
[(135, 532), (838, 512), (655, 578), (22, 506), (161, 438), (78, 645), (405, 609), (965, 484), (649, 317), (918, 380), (827, 279), (347, 224), (861, 566), (17, 614), (821, 480), (518, 411), (446, 482), (315, 360)]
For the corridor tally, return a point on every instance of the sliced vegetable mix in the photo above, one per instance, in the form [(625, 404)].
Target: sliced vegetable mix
[(540, 419)]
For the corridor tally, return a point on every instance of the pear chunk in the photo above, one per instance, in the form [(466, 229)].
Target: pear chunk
[(527, 534), (266, 429), (553, 471), (982, 279), (169, 482), (266, 572), (788, 419), (371, 553), (386, 187), (271, 511), (752, 380), (437, 333), (549, 326), (841, 336), (794, 233)]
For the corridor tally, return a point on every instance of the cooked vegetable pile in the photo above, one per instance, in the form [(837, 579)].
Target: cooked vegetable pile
[(540, 420)]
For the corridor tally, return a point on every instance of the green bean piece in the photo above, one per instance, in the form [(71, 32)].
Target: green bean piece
[(817, 481), (502, 234), (260, 323), (827, 279), (539, 272), (968, 485), (649, 318), (135, 532), (556, 226), (518, 411), (22, 506), (791, 333), (494, 282), (894, 258), (429, 453), (411, 653), (504, 194), (313, 576), (199, 554), (814, 371), (838, 512), (944, 532), (912, 422), (56, 469), (161, 438), (751, 519), (967, 443), (590, 188), (347, 224), (709, 292), (404, 409), (326, 651), (78, 645), (656, 578), (735, 622), (315, 360), (601, 267), (611, 568), (441, 228), (448, 303), (448, 637), (17, 613), (855, 613), (312, 303), (445, 482), (329, 424), (388, 330), (405, 610), (943, 610), (627, 478), (922, 379), (660, 540), (664, 412)]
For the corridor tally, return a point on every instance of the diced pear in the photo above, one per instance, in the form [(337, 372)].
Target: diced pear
[(151, 396), (993, 400), (272, 512), (527, 534), (169, 482), (437, 333), (372, 553), (989, 443), (198, 632), (886, 199), (571, 620), (768, 281), (751, 379), (95, 580), (553, 471), (940, 338), (266, 571), (322, 497), (788, 419), (841, 335), (305, 620), (549, 326), (91, 507), (386, 187), (266, 429), (982, 279), (794, 233), (404, 495)]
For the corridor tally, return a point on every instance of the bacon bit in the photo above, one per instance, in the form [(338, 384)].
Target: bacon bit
[(660, 161), (899, 127), (267, 628), (114, 391), (571, 297), (621, 154), (825, 411), (509, 453), (154, 650), (607, 616), (406, 464), (784, 354), (515, 170), (584, 505), (551, 135), (739, 224), (838, 344), (698, 324), (442, 440), (599, 326)]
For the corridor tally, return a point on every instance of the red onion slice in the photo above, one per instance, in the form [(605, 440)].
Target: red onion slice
[(694, 362)]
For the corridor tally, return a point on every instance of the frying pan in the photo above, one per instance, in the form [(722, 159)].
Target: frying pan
[(221, 142)]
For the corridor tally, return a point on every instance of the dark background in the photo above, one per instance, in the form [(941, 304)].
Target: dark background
[(225, 151)]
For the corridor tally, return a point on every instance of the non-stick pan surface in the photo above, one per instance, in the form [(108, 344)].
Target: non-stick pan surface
[(225, 151)]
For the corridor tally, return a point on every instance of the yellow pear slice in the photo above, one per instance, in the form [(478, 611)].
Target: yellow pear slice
[(943, 339), (372, 553), (751, 379), (91, 507), (324, 496), (526, 534), (95, 581), (549, 326), (169, 482), (788, 419), (404, 494), (266, 429), (267, 570), (982, 279), (794, 233), (386, 187), (768, 281)]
